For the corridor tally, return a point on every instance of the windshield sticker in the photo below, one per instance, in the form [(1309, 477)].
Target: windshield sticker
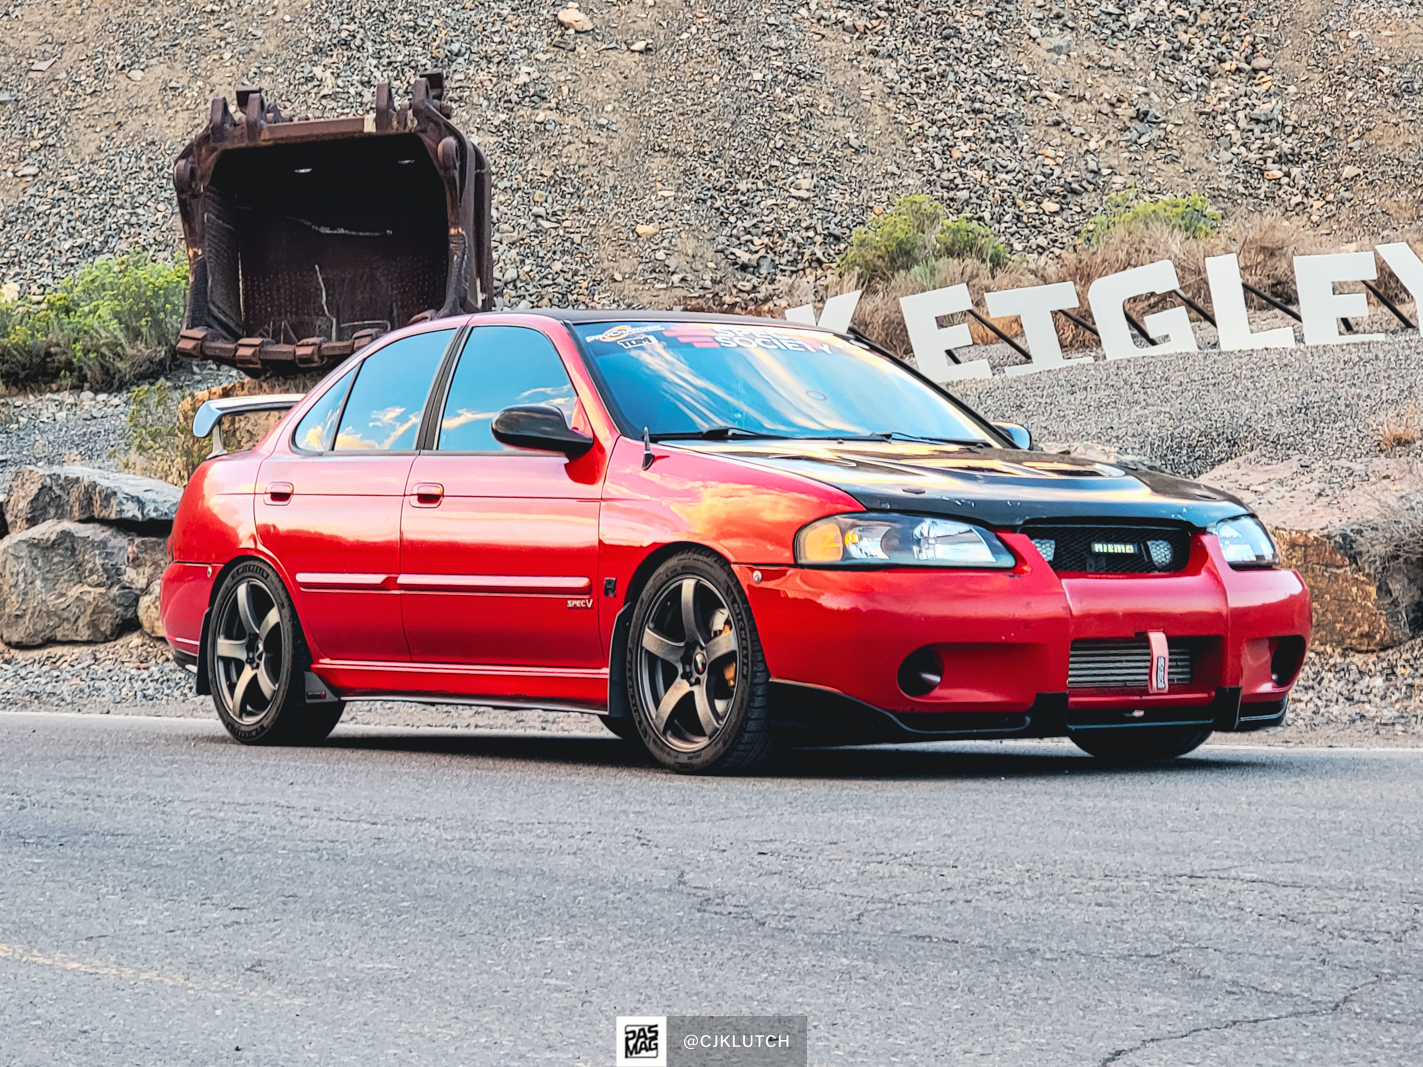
[(714, 335)]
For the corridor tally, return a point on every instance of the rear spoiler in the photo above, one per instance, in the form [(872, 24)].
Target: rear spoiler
[(211, 413)]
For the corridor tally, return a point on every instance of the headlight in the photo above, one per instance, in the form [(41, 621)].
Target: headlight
[(1245, 543), (898, 541)]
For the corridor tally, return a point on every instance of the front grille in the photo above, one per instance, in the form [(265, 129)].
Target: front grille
[(1091, 549), (1124, 664)]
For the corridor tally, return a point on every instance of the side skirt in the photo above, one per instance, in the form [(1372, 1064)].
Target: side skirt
[(571, 689)]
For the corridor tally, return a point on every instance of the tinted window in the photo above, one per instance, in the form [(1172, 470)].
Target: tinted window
[(318, 426), (501, 366), (383, 414), (686, 378)]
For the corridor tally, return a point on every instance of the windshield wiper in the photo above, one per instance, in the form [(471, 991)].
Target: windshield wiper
[(716, 433), (896, 435)]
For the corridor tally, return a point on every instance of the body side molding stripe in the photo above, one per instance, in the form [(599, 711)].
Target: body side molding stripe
[(493, 583), (339, 580), (473, 670)]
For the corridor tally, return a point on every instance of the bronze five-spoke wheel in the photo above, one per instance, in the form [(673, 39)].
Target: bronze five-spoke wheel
[(697, 679), (257, 662)]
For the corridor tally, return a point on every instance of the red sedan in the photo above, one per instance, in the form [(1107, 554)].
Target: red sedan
[(713, 532)]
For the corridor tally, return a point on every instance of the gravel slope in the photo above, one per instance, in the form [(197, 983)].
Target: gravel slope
[(753, 135), (84, 428), (1190, 412)]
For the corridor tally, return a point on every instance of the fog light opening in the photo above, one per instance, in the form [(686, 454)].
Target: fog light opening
[(921, 672), (1285, 659)]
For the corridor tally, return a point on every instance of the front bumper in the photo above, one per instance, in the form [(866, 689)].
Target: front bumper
[(835, 640)]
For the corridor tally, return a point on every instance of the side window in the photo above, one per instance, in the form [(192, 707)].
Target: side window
[(501, 366), (317, 428), (383, 414)]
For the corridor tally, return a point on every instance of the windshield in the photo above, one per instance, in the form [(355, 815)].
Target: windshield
[(713, 379)]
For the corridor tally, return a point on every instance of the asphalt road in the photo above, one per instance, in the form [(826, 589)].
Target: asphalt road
[(442, 897)]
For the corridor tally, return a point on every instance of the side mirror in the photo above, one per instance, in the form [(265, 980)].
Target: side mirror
[(1019, 435), (541, 427)]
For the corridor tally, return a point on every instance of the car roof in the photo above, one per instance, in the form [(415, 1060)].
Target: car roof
[(579, 315)]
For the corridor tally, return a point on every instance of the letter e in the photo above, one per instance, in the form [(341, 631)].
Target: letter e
[(1321, 307), (930, 341)]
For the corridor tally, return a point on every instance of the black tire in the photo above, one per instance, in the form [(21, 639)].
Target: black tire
[(716, 721), (257, 661), (1140, 744), (622, 726)]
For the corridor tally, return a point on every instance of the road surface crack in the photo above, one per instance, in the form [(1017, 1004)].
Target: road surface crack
[(1303, 1013)]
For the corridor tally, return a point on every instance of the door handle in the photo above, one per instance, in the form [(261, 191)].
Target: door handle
[(428, 495), (279, 493)]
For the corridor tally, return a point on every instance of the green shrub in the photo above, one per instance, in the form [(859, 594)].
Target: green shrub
[(116, 320), (1190, 214), (971, 239), (160, 445), (917, 230)]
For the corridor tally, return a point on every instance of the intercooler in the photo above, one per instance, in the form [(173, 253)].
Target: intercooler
[(1124, 664)]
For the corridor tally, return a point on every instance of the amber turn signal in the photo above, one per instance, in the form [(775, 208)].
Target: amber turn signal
[(821, 543)]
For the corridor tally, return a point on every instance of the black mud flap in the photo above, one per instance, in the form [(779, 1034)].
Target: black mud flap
[(619, 707), (204, 683)]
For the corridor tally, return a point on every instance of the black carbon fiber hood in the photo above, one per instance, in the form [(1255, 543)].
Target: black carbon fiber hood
[(996, 487)]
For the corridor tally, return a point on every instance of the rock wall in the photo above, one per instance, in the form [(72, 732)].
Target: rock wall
[(83, 559)]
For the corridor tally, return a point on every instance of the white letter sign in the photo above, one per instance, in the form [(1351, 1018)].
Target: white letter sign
[(835, 315), (1108, 294), (1034, 306), (1231, 319), (921, 316), (1404, 262), (1321, 307)]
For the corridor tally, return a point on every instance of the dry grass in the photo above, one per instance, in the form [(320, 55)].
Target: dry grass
[(880, 317), (1399, 429), (1265, 244), (160, 439)]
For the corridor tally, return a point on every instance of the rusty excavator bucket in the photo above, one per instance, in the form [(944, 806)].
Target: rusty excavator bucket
[(309, 238)]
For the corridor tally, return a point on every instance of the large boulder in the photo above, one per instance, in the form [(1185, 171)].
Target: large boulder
[(149, 615), (67, 581), (1353, 530), (82, 494), (147, 560)]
